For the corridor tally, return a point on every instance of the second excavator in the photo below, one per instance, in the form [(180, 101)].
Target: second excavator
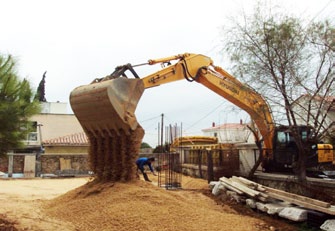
[(106, 108)]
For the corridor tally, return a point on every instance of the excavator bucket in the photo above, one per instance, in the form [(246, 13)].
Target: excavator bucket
[(106, 111)]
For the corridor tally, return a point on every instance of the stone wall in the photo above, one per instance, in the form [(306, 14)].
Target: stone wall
[(18, 164), (52, 163), (47, 164)]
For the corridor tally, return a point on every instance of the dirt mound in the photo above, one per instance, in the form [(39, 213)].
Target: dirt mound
[(138, 205), (6, 225)]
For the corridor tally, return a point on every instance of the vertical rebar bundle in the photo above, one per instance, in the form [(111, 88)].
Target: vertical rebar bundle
[(170, 169)]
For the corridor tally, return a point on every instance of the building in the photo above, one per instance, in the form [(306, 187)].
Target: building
[(58, 145), (322, 107), (66, 155), (230, 133), (51, 125)]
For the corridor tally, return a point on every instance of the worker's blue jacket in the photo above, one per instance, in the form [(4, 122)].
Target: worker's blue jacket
[(143, 161)]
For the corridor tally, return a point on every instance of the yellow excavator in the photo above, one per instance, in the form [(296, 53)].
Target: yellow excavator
[(106, 108)]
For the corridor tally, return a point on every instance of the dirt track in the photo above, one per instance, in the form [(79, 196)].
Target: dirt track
[(77, 204)]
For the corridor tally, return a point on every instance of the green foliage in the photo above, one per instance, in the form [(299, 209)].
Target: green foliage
[(283, 58), (40, 94), (157, 149), (16, 106), (162, 149), (145, 145)]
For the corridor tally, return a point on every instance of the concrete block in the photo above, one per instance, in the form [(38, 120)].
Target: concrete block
[(274, 208), (234, 196), (217, 189), (212, 184), (294, 214), (328, 225), (251, 203), (231, 193), (261, 206)]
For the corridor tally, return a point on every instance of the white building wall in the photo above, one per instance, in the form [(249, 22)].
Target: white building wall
[(248, 154), (231, 135), (54, 108), (56, 125), (53, 122)]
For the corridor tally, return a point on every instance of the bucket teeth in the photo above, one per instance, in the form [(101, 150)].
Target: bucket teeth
[(106, 111)]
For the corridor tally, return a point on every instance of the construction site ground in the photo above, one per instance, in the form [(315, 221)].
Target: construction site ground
[(79, 204)]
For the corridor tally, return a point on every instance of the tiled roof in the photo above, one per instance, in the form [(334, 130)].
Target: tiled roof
[(69, 140)]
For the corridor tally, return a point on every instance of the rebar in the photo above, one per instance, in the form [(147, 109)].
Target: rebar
[(169, 174)]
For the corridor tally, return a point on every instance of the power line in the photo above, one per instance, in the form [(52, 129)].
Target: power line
[(206, 115), (153, 118), (318, 13)]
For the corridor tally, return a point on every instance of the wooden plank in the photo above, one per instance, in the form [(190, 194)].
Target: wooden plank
[(263, 198), (264, 195), (255, 185), (305, 204), (297, 198), (227, 183), (231, 188), (245, 189), (246, 183)]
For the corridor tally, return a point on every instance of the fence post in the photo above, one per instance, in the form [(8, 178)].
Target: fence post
[(200, 162), (210, 170), (10, 163)]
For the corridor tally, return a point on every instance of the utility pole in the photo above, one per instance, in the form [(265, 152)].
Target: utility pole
[(162, 126)]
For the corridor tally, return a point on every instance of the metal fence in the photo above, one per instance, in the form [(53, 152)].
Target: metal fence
[(213, 163)]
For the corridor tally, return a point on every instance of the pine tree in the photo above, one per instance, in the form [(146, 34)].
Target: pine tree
[(16, 106), (40, 94)]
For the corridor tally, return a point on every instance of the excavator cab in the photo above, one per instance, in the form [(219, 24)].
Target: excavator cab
[(285, 150)]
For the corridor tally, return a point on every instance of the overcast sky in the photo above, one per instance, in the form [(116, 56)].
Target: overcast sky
[(76, 41)]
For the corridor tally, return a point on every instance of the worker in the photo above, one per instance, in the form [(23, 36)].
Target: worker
[(141, 162)]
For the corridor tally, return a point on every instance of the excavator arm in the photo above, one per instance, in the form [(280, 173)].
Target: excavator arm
[(199, 68), (105, 108)]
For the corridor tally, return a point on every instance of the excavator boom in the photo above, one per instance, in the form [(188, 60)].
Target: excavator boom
[(200, 68), (106, 109)]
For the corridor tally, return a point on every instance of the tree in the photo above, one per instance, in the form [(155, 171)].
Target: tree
[(40, 94), (283, 58), (16, 106), (162, 148), (145, 145)]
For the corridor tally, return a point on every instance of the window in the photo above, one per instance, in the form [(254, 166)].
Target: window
[(32, 136), (304, 135), (281, 137)]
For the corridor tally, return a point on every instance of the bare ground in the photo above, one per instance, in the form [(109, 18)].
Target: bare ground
[(75, 204)]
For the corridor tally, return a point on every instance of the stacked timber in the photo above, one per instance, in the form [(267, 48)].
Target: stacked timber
[(272, 201)]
